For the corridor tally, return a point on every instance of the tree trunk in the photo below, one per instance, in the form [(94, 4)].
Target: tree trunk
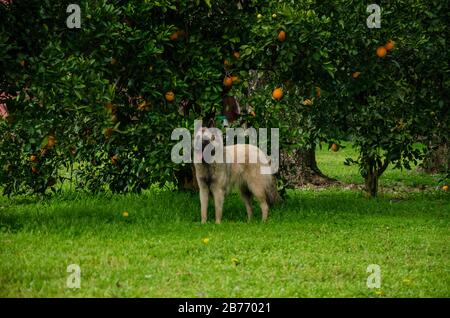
[(371, 182), (300, 168), (374, 168)]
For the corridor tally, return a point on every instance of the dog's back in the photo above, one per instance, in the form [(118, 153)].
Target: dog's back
[(246, 171)]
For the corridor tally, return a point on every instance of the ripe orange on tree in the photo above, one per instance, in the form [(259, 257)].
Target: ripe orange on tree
[(228, 81), (34, 169), (33, 158), (170, 96), (237, 55), (277, 93), (174, 36), (381, 51), (356, 74), (389, 46), (281, 36), (445, 187)]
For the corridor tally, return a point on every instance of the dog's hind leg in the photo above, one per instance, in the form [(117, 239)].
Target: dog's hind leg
[(264, 210), (261, 195), (246, 196)]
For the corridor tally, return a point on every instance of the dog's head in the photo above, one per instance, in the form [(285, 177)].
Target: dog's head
[(207, 143)]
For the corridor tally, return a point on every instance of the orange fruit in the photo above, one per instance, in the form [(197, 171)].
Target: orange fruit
[(334, 147), (226, 63), (228, 81), (237, 55), (381, 51), (445, 188), (174, 36), (281, 36), (51, 141), (389, 46), (277, 93), (170, 96), (356, 74), (115, 160), (34, 169), (33, 158), (307, 102)]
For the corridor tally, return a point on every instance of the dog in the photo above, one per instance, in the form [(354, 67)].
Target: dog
[(220, 174)]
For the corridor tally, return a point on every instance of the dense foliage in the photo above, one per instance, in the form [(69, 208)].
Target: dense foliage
[(101, 101)]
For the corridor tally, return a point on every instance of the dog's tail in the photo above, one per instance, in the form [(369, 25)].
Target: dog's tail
[(272, 194)]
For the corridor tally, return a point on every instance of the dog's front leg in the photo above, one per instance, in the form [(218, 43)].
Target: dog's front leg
[(219, 195), (204, 196)]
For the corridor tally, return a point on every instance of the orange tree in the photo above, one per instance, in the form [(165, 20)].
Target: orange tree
[(285, 62), (386, 88), (390, 85), (103, 100)]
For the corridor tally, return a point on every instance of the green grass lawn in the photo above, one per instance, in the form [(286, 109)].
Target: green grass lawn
[(318, 243)]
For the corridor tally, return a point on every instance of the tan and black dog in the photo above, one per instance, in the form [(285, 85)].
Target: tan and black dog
[(240, 167)]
